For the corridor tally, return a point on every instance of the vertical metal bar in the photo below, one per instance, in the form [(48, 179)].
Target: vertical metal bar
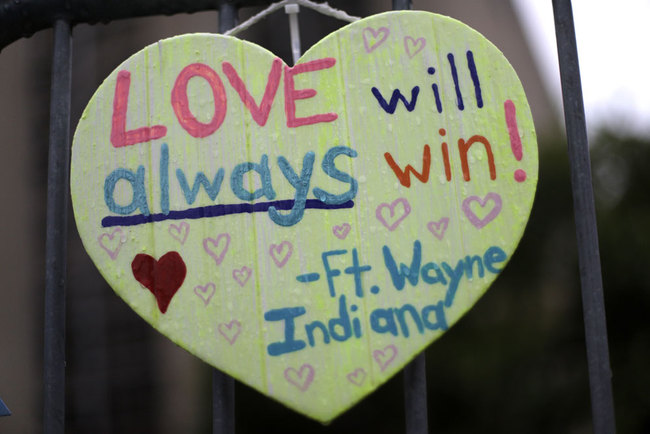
[(223, 403), (401, 4), (593, 303), (415, 376), (56, 231), (415, 396), (228, 15), (223, 385)]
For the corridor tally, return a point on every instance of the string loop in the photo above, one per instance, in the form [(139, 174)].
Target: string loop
[(322, 8)]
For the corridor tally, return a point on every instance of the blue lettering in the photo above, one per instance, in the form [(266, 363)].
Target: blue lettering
[(357, 270), (455, 275), (330, 169), (164, 178), (301, 184), (469, 266), (212, 189), (309, 329), (439, 278), (494, 255), (389, 107), (404, 272), (329, 272), (136, 180), (441, 320), (343, 321), (401, 317), (386, 316), (289, 344), (237, 180)]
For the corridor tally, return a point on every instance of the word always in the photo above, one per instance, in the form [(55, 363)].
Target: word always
[(301, 184)]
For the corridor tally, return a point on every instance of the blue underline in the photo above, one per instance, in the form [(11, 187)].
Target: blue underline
[(216, 211)]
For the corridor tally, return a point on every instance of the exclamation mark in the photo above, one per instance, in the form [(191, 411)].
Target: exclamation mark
[(515, 140)]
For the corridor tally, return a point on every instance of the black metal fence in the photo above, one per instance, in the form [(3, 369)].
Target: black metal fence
[(22, 18)]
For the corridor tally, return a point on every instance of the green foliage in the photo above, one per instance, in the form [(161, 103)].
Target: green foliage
[(622, 180)]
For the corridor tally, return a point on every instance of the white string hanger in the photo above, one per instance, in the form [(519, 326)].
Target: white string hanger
[(292, 8)]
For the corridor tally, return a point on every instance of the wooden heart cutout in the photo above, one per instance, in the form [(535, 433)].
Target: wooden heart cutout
[(316, 226)]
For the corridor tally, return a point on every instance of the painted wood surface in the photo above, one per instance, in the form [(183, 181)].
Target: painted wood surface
[(308, 229)]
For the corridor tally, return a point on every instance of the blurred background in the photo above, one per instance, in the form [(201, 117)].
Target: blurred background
[(515, 364)]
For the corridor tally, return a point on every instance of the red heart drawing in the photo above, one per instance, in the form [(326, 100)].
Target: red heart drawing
[(162, 277)]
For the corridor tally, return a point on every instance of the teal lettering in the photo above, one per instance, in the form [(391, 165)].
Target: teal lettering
[(139, 200), (441, 320), (343, 321), (212, 189), (301, 184), (309, 329), (427, 278), (455, 274), (401, 317), (290, 343), (385, 316), (330, 169), (400, 275), (237, 180), (469, 266), (494, 255)]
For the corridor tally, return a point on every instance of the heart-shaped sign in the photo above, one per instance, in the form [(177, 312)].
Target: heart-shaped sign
[(308, 229)]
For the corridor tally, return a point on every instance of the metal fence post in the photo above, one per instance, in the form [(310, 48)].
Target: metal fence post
[(56, 232), (223, 385), (593, 303), (415, 374)]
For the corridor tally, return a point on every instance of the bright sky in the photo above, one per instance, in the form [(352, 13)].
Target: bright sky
[(614, 62)]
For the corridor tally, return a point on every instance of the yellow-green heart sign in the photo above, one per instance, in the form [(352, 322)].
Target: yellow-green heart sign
[(307, 229)]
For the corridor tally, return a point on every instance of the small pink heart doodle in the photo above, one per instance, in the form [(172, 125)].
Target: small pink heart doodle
[(218, 247), (112, 242), (230, 331), (385, 357), (342, 231), (374, 38), (357, 377), (439, 228), (301, 378), (413, 46), (396, 213), (206, 292), (242, 275), (280, 253), (491, 215), (179, 232)]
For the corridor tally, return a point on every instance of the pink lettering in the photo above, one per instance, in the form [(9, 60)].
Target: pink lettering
[(181, 106), (260, 113), (291, 94), (119, 136)]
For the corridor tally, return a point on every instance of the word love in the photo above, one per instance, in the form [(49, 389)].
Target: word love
[(121, 137)]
